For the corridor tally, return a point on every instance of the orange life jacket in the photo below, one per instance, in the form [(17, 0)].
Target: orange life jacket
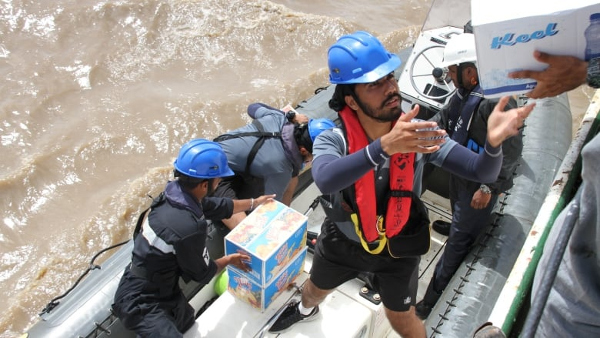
[(401, 186)]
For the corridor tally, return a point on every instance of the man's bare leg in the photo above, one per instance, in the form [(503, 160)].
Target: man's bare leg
[(407, 324), (312, 295)]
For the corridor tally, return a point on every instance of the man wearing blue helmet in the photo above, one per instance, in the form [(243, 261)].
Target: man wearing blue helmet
[(369, 172), (169, 243), (268, 154)]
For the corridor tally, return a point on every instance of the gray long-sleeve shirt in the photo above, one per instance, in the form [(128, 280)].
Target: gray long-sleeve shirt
[(271, 162)]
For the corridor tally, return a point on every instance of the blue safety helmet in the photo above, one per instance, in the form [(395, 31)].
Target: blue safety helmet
[(317, 126), (200, 158), (359, 58)]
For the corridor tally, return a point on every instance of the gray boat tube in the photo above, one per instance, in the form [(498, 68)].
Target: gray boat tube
[(87, 308), (469, 298)]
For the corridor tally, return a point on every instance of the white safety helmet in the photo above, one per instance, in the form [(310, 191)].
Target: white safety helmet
[(460, 49)]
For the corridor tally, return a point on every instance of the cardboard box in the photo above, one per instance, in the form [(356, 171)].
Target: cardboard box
[(271, 235), (508, 32), (261, 297)]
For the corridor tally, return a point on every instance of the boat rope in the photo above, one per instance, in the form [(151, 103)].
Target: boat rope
[(54, 302), (320, 89)]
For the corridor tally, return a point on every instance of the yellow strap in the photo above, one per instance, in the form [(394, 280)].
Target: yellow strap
[(382, 239)]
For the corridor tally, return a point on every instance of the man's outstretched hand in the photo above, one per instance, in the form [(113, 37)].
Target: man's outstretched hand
[(504, 124)]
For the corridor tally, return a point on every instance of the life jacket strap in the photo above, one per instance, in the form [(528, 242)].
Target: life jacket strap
[(382, 239)]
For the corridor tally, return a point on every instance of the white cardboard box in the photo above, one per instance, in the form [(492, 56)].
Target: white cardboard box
[(508, 32)]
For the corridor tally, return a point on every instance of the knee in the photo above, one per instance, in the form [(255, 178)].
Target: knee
[(406, 323), (400, 318)]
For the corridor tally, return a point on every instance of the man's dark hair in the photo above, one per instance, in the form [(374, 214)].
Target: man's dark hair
[(465, 65), (302, 136), (338, 101), (186, 181)]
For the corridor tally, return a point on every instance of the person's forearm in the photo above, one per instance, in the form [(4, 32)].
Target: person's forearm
[(254, 107), (332, 174), (222, 263), (243, 205), (483, 167), (250, 203)]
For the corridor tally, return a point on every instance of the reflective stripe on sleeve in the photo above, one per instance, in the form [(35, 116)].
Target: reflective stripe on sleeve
[(154, 240)]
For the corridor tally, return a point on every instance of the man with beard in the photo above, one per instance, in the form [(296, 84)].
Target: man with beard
[(369, 171), (170, 243), (465, 120)]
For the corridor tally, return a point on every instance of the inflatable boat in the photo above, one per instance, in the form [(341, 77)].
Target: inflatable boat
[(354, 309)]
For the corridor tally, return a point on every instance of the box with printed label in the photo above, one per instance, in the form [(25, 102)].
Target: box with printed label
[(258, 296), (508, 32), (271, 235)]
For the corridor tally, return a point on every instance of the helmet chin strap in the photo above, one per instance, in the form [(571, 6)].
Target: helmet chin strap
[(459, 77)]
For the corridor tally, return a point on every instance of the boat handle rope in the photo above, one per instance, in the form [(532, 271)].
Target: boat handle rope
[(54, 302)]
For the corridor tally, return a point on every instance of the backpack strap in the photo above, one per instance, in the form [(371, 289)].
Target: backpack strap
[(262, 136)]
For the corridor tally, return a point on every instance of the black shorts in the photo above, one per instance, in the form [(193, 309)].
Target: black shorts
[(338, 259), (240, 186)]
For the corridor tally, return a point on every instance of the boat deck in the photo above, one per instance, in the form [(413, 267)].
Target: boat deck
[(345, 312)]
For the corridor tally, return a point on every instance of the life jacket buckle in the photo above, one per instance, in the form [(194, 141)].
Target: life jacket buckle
[(380, 226)]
